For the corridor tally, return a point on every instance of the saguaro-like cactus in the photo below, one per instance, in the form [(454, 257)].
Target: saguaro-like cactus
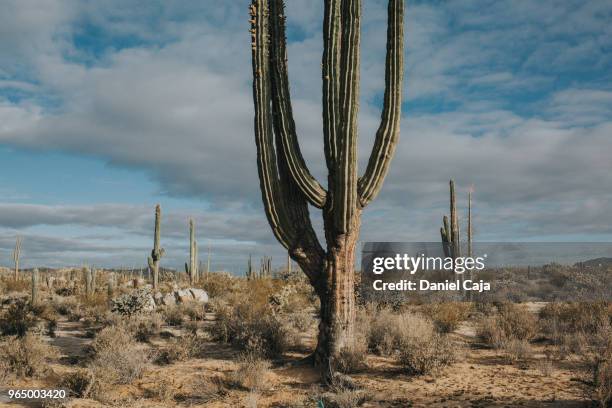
[(192, 267), (88, 276), (469, 226), (157, 252), (250, 272), (35, 280), (450, 233), (16, 256), (286, 183)]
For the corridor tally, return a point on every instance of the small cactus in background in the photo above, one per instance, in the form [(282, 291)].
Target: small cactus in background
[(450, 233), (110, 288), (265, 268), (192, 267), (88, 281), (16, 256), (157, 253), (250, 273), (34, 286)]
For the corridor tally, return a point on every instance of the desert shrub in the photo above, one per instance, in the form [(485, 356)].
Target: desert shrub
[(602, 382), (512, 322), (339, 396), (116, 358), (352, 358), (447, 316), (12, 285), (194, 310), (252, 372), (134, 302), (146, 326), (25, 356), (77, 384), (17, 319), (173, 315), (516, 350), (427, 353), (557, 319), (180, 349), (251, 328)]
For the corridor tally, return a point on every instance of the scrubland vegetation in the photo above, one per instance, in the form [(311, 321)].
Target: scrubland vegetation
[(249, 346)]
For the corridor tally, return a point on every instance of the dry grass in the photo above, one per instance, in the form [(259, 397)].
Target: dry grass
[(252, 373), (448, 316), (512, 322), (25, 356)]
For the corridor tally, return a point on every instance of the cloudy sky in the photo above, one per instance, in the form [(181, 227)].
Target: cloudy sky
[(108, 107)]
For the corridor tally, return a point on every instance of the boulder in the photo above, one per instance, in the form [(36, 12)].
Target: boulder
[(183, 295), (169, 299), (199, 295)]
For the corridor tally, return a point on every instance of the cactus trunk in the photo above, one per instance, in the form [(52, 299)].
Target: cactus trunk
[(192, 267), (34, 286), (157, 252), (287, 186), (16, 257)]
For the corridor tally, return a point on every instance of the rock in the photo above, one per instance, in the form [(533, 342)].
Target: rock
[(158, 296), (149, 305), (169, 299), (199, 295), (183, 295)]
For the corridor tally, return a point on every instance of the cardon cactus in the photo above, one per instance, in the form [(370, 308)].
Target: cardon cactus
[(17, 256), (287, 186), (35, 279), (450, 233), (88, 276), (157, 252), (191, 268)]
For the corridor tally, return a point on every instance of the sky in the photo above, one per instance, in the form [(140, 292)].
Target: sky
[(109, 107)]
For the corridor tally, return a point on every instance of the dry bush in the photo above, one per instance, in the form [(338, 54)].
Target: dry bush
[(25, 356), (352, 358), (194, 310), (144, 327), (512, 322), (252, 373), (557, 319), (545, 366), (252, 328), (77, 384), (427, 353), (17, 319), (180, 349), (173, 315), (116, 359), (602, 381), (447, 316), (12, 285), (342, 397), (516, 350)]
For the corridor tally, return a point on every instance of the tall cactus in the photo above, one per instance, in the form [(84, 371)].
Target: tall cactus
[(286, 183), (250, 273), (35, 279), (191, 268), (88, 276), (17, 256), (450, 233), (157, 252)]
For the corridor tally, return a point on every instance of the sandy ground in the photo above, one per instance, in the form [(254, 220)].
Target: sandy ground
[(481, 379)]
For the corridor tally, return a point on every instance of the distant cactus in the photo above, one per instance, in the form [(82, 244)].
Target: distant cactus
[(250, 273), (192, 267), (16, 256), (450, 233), (265, 268), (157, 253), (34, 286), (88, 275)]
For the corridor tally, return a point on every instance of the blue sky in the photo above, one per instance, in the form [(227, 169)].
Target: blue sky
[(107, 108)]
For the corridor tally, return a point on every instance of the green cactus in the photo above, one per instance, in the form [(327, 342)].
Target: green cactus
[(35, 279), (191, 268), (286, 184), (87, 274), (17, 256), (450, 233), (157, 252)]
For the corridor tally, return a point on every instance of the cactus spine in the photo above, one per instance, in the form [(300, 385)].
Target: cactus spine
[(192, 267), (35, 286), (157, 252), (287, 186), (16, 256)]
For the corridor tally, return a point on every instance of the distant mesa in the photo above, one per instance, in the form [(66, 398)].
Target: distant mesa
[(602, 262)]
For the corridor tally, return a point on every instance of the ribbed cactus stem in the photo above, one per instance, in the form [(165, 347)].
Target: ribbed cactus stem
[(456, 245), (88, 279), (158, 252), (17, 256), (192, 267), (469, 226), (35, 279)]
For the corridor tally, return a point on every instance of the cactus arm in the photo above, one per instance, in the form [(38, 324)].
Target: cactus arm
[(283, 121), (285, 205), (150, 262), (330, 70), (388, 132)]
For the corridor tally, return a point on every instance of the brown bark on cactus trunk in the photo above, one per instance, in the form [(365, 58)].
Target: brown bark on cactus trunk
[(337, 297)]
